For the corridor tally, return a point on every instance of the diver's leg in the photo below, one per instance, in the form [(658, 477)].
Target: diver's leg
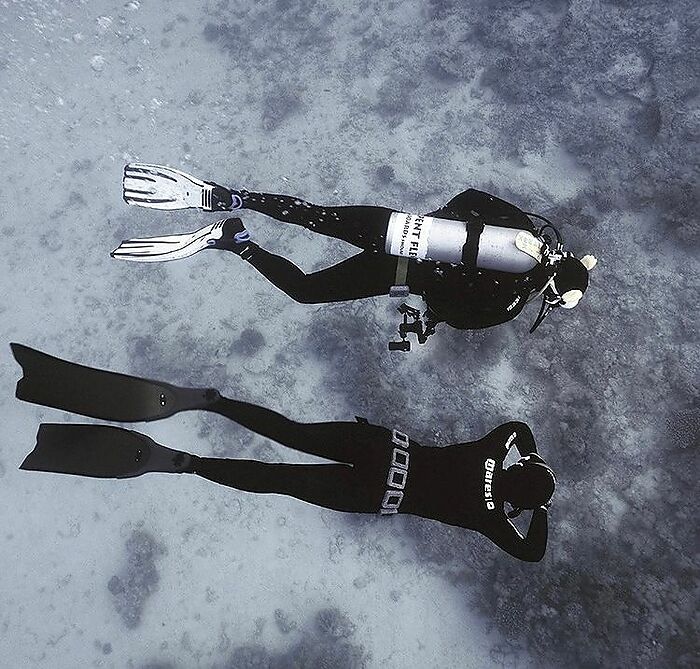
[(366, 274), (362, 226), (334, 487), (341, 441)]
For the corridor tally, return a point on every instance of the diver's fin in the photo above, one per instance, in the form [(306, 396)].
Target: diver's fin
[(101, 451), (176, 247), (101, 394), (159, 187), (170, 247)]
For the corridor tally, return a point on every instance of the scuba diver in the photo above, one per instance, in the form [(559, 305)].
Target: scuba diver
[(374, 469), (475, 262)]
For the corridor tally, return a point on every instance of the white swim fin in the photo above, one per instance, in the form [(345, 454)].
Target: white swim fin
[(170, 247), (229, 234), (159, 187)]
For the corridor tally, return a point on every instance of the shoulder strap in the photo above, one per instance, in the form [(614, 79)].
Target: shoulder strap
[(470, 250)]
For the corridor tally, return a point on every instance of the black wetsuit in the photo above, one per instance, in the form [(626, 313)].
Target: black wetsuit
[(463, 297), (377, 470)]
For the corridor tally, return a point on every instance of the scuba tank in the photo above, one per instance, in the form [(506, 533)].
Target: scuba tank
[(470, 243), (561, 277)]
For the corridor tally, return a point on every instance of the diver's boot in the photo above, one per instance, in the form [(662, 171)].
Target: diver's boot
[(228, 234), (235, 237)]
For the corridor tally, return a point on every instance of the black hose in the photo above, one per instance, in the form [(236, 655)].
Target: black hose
[(548, 224)]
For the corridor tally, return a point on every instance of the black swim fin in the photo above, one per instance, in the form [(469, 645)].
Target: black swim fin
[(100, 451), (101, 394)]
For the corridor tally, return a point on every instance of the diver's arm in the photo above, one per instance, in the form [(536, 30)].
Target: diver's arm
[(501, 212), (474, 203), (530, 548), (476, 317), (468, 301), (524, 440), (514, 433)]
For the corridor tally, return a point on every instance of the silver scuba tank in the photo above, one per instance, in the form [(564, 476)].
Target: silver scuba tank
[(470, 243)]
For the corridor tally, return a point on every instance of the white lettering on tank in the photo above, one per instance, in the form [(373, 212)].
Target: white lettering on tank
[(407, 235)]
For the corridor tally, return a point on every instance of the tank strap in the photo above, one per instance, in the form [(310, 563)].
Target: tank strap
[(471, 249), (400, 289)]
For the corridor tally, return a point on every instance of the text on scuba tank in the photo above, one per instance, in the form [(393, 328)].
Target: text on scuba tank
[(489, 466), (404, 237), (407, 235), (410, 236), (413, 242), (398, 474)]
